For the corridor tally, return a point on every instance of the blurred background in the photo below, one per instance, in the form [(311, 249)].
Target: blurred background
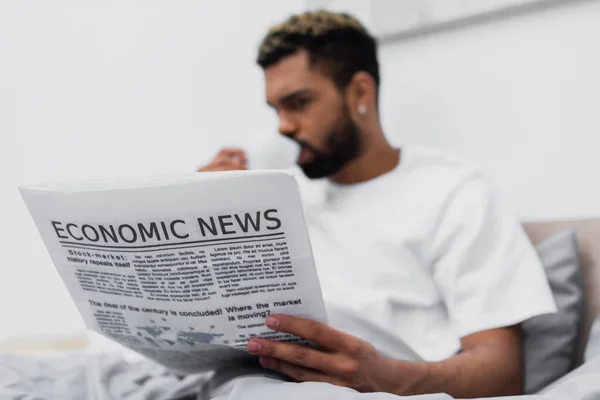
[(104, 89)]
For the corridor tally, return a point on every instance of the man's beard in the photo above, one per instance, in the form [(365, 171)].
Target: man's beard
[(342, 144)]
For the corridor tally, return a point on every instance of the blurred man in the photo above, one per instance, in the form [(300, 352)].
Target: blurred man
[(417, 258)]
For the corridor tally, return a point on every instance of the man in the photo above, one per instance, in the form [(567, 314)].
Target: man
[(417, 259)]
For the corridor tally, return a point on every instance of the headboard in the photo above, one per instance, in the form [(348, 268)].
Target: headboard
[(588, 233)]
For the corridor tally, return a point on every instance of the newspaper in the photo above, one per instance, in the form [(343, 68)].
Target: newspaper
[(182, 269)]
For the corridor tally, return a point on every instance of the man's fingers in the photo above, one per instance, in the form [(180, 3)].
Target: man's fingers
[(222, 164), (231, 168), (232, 155), (233, 152), (314, 331), (221, 167), (228, 159), (293, 353), (297, 373)]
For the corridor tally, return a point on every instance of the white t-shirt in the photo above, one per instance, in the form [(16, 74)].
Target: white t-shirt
[(422, 256)]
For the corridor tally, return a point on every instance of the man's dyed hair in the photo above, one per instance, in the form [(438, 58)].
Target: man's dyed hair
[(337, 44)]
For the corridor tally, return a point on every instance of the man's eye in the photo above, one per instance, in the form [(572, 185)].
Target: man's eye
[(299, 103)]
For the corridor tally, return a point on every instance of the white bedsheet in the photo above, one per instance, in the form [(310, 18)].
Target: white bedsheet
[(582, 384), (112, 376)]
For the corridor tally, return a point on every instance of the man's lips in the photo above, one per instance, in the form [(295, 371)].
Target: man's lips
[(304, 156)]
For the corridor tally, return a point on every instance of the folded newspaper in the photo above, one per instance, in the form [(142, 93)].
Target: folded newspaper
[(182, 269)]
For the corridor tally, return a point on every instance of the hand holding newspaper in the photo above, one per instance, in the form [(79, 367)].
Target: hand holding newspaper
[(182, 269)]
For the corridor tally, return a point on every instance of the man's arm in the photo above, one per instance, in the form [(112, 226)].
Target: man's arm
[(490, 363)]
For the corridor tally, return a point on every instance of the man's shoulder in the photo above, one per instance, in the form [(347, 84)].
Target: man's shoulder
[(441, 167), (436, 157)]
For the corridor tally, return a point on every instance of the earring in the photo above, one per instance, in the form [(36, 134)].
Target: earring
[(362, 109)]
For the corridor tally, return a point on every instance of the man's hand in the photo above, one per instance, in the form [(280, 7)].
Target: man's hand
[(227, 160), (490, 363), (342, 359)]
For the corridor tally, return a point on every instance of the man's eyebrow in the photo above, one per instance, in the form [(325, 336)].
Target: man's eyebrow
[(290, 96)]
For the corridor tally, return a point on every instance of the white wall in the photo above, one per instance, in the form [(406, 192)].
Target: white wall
[(520, 96), (114, 88)]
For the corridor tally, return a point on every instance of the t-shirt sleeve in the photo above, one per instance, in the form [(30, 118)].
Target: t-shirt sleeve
[(488, 272)]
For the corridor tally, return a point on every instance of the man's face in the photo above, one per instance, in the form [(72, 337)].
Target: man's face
[(312, 112)]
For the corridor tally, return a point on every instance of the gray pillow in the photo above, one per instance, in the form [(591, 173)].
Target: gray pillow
[(593, 345), (550, 341)]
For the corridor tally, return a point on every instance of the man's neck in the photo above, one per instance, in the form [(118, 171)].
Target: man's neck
[(379, 158)]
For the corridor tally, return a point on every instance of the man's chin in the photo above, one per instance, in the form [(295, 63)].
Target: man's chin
[(317, 171), (310, 172)]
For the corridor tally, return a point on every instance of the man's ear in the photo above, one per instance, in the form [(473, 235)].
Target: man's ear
[(361, 94)]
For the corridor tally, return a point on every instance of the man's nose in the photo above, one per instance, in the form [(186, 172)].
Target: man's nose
[(287, 127)]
